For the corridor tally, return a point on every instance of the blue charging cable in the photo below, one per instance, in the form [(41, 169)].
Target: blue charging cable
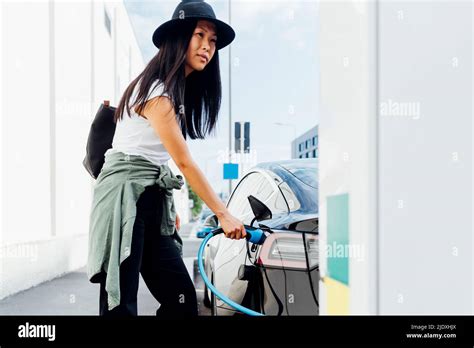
[(255, 236)]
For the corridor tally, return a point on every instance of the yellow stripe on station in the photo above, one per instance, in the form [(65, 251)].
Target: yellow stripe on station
[(337, 297)]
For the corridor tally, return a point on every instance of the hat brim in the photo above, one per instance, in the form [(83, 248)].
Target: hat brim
[(225, 33)]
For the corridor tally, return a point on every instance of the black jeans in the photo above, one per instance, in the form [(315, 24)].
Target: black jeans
[(158, 260)]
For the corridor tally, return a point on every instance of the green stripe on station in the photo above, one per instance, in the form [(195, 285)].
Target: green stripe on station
[(338, 237)]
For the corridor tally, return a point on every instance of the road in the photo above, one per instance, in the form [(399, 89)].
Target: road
[(73, 294)]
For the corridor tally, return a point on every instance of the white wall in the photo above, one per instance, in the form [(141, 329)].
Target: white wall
[(425, 196), (408, 176), (58, 65), (26, 122), (1, 141)]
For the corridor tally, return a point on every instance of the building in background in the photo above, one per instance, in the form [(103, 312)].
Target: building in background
[(59, 61), (306, 145)]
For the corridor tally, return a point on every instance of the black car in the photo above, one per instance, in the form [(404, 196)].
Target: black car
[(281, 276)]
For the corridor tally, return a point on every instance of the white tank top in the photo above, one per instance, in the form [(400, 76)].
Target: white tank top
[(135, 136)]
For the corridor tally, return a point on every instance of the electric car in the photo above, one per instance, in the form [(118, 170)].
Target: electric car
[(204, 228), (201, 227), (281, 276)]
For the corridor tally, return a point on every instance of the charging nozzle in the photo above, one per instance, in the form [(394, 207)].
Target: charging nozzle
[(255, 236)]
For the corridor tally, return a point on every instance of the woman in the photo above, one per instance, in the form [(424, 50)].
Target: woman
[(133, 219)]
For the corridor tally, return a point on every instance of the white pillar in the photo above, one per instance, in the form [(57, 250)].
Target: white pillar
[(347, 142), (396, 155)]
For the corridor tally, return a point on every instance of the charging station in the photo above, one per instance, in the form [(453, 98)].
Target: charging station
[(395, 139)]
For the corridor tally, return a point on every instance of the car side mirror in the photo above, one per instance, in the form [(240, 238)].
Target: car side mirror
[(260, 210), (212, 221)]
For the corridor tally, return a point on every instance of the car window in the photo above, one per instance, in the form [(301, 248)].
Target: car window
[(257, 185), (306, 171), (311, 225), (291, 199)]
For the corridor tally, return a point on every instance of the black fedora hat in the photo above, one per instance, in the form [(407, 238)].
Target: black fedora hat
[(194, 9)]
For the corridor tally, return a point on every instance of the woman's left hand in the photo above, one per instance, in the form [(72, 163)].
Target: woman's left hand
[(178, 222)]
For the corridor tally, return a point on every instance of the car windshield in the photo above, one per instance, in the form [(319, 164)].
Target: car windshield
[(306, 171)]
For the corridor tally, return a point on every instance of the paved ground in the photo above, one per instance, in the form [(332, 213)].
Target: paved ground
[(73, 294)]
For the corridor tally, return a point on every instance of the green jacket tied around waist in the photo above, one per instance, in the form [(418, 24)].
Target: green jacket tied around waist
[(118, 187)]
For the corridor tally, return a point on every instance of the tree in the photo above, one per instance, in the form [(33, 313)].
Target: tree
[(197, 202)]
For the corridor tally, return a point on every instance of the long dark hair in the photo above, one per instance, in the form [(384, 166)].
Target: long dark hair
[(200, 93)]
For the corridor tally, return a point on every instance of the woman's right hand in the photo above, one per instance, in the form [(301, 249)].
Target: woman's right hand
[(232, 227)]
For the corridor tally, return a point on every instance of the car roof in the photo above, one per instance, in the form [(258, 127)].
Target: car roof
[(291, 172), (295, 167)]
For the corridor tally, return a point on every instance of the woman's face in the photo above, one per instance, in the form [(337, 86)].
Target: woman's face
[(202, 44)]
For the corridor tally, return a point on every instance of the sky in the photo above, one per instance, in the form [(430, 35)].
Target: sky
[(274, 74)]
